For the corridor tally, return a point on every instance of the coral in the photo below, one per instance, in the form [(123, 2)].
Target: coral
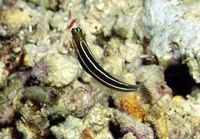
[(97, 121), (10, 102), (40, 70), (128, 124), (33, 123), (193, 11), (6, 133), (37, 94), (159, 121), (70, 128), (25, 130), (130, 104), (47, 4), (122, 28), (94, 125), (129, 135), (98, 118), (45, 94), (18, 78), (11, 58), (195, 95), (7, 116), (3, 75), (62, 70), (171, 33), (12, 20), (174, 118), (76, 102), (131, 53), (117, 69), (178, 99)]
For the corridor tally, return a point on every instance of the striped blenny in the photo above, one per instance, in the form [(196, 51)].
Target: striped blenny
[(90, 65)]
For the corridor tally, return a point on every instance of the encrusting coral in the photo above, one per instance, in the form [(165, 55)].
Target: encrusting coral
[(129, 103)]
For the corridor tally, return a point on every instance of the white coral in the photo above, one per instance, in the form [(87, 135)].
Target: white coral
[(61, 70), (173, 37)]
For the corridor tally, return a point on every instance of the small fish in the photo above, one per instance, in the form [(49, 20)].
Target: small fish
[(90, 65)]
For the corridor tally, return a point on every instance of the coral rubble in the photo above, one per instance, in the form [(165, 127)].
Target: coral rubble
[(45, 93)]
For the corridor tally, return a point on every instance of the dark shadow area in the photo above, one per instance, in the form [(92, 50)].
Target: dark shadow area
[(55, 120), (51, 136), (115, 130), (111, 102), (179, 80), (15, 133)]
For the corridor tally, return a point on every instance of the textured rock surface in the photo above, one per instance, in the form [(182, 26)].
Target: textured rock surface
[(61, 70), (173, 33), (11, 20), (44, 93)]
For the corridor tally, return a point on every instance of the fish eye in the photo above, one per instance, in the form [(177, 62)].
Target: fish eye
[(74, 30)]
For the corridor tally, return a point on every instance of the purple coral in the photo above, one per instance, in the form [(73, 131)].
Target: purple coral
[(40, 70)]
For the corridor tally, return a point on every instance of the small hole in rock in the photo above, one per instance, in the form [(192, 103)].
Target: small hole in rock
[(111, 102), (115, 130), (179, 79), (7, 65), (162, 87), (55, 120)]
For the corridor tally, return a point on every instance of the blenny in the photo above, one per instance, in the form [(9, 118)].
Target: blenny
[(91, 66)]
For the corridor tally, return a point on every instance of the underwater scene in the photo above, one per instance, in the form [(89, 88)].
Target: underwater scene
[(99, 69)]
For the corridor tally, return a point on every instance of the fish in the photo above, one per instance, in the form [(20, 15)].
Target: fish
[(91, 66)]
